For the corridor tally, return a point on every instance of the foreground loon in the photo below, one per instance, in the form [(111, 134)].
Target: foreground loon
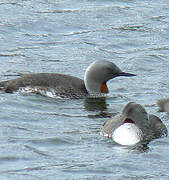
[(96, 76), (134, 125)]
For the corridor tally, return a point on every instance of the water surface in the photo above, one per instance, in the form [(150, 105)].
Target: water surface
[(45, 138)]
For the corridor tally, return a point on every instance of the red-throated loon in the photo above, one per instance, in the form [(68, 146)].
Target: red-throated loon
[(96, 76), (134, 125)]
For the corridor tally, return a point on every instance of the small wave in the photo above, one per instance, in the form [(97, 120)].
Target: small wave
[(30, 148), (12, 55), (165, 47), (62, 11), (126, 27), (49, 142), (12, 3), (10, 159), (160, 18), (132, 27)]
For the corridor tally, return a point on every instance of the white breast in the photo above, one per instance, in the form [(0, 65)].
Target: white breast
[(127, 134)]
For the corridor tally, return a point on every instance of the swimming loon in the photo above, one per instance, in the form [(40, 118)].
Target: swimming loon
[(134, 125), (96, 76)]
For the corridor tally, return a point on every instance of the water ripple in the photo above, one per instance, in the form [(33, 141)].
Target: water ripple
[(47, 138)]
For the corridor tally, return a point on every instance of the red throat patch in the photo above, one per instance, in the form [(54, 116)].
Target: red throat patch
[(128, 120), (104, 88)]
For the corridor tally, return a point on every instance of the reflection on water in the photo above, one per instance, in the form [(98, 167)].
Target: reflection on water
[(95, 104), (137, 149), (99, 106)]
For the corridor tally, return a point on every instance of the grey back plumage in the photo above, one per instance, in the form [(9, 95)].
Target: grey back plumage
[(163, 105), (65, 85)]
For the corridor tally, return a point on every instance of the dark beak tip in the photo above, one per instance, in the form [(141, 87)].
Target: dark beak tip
[(133, 75), (127, 74)]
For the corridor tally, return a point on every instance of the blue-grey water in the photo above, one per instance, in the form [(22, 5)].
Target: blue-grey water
[(45, 138)]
